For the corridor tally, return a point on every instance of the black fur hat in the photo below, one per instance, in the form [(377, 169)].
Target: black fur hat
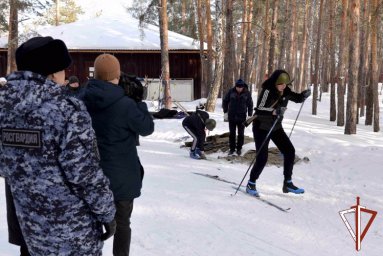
[(43, 55)]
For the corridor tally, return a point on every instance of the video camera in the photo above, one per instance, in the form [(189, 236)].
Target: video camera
[(132, 86)]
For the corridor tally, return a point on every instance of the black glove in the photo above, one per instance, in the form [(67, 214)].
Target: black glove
[(306, 93), (280, 111), (110, 229)]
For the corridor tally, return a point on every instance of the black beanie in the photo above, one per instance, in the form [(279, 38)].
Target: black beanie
[(73, 79), (240, 83), (43, 55)]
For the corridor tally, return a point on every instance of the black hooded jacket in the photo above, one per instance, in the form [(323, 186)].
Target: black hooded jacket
[(237, 105), (270, 99), (117, 120), (196, 123)]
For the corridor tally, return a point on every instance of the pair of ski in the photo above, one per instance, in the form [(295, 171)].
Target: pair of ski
[(243, 190)]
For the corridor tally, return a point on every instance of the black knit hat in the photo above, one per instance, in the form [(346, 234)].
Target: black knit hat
[(73, 79), (240, 83), (43, 55)]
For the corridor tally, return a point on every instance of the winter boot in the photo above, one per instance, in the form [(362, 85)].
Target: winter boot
[(288, 186), (194, 155), (239, 152), (200, 153), (231, 152), (252, 189)]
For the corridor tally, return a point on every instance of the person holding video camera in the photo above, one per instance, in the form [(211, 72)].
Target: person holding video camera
[(118, 119)]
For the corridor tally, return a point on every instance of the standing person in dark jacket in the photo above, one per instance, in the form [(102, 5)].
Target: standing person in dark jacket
[(271, 104), (117, 120), (236, 104), (195, 125), (48, 156)]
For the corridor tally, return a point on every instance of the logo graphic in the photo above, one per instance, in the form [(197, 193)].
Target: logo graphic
[(358, 234)]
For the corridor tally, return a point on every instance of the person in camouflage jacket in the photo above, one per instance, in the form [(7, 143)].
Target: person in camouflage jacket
[(49, 157)]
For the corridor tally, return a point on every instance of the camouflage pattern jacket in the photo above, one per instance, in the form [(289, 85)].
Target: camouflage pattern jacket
[(47, 154)]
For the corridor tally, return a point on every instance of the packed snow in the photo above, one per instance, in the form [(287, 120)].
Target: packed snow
[(184, 214)]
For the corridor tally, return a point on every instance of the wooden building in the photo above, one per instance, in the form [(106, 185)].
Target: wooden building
[(138, 49)]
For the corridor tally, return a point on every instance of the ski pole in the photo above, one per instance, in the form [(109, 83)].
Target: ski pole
[(259, 150), (299, 112)]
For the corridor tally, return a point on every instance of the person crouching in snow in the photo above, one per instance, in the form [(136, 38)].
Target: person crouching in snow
[(195, 125)]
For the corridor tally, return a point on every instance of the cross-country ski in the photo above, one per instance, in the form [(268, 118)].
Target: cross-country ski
[(243, 190)]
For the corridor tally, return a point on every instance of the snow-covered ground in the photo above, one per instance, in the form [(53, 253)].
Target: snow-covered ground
[(184, 214)]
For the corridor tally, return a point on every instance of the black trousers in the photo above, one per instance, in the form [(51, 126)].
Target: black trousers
[(233, 126), (283, 143), (122, 237), (14, 232)]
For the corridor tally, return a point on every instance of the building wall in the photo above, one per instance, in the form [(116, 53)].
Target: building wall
[(146, 63)]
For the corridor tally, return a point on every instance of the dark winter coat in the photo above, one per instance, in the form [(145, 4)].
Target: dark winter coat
[(14, 232), (269, 100), (196, 123), (78, 92), (49, 157), (117, 120), (237, 105)]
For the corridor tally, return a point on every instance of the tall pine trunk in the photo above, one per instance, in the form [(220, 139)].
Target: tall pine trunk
[(229, 58), (362, 59), (273, 37), (201, 36), (12, 36), (217, 77), (302, 67), (374, 62), (209, 36), (342, 64), (165, 54), (317, 51), (249, 46), (353, 52), (244, 38), (332, 45), (263, 61), (294, 36)]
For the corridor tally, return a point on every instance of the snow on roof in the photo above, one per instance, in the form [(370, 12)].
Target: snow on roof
[(116, 33), (113, 33)]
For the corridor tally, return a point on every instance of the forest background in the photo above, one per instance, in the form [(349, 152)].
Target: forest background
[(333, 46)]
